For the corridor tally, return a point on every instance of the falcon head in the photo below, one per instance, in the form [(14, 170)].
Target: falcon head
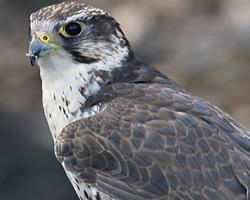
[(71, 34), (77, 48)]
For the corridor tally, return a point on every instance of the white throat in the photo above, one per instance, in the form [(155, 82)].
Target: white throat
[(65, 87)]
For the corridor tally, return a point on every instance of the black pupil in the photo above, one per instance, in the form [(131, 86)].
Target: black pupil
[(73, 29)]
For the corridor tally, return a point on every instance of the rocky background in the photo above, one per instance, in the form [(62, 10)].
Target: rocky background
[(203, 45)]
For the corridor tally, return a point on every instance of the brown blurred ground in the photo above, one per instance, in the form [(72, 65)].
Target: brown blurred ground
[(203, 45)]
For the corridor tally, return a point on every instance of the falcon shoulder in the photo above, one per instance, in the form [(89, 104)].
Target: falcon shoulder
[(156, 142)]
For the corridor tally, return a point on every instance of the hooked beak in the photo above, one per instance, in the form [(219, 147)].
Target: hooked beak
[(38, 49)]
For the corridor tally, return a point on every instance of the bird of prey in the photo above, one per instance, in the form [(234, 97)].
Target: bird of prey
[(122, 129)]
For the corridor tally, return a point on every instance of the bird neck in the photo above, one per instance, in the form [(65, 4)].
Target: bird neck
[(65, 93)]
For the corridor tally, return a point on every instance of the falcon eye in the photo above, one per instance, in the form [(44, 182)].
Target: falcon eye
[(72, 29)]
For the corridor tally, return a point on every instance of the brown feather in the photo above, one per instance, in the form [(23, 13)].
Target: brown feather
[(153, 142)]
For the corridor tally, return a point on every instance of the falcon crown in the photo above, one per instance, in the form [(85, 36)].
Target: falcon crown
[(63, 10)]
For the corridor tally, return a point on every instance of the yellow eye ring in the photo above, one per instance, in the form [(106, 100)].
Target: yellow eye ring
[(72, 29)]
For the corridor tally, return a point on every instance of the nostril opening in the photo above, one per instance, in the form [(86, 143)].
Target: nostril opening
[(45, 38)]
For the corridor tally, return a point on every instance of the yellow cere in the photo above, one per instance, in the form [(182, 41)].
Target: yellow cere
[(45, 38)]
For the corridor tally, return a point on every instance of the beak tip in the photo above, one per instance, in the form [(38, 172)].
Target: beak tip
[(33, 58)]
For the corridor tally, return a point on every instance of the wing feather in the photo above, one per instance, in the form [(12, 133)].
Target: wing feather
[(153, 142)]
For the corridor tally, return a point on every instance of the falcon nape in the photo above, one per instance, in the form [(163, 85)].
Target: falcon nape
[(123, 130)]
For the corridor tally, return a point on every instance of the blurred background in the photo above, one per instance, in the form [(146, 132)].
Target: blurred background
[(203, 45)]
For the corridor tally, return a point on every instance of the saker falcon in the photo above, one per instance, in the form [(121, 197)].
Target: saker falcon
[(122, 129)]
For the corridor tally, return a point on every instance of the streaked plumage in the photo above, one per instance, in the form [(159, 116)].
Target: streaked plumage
[(122, 130)]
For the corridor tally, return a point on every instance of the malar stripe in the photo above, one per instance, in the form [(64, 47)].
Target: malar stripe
[(82, 59)]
